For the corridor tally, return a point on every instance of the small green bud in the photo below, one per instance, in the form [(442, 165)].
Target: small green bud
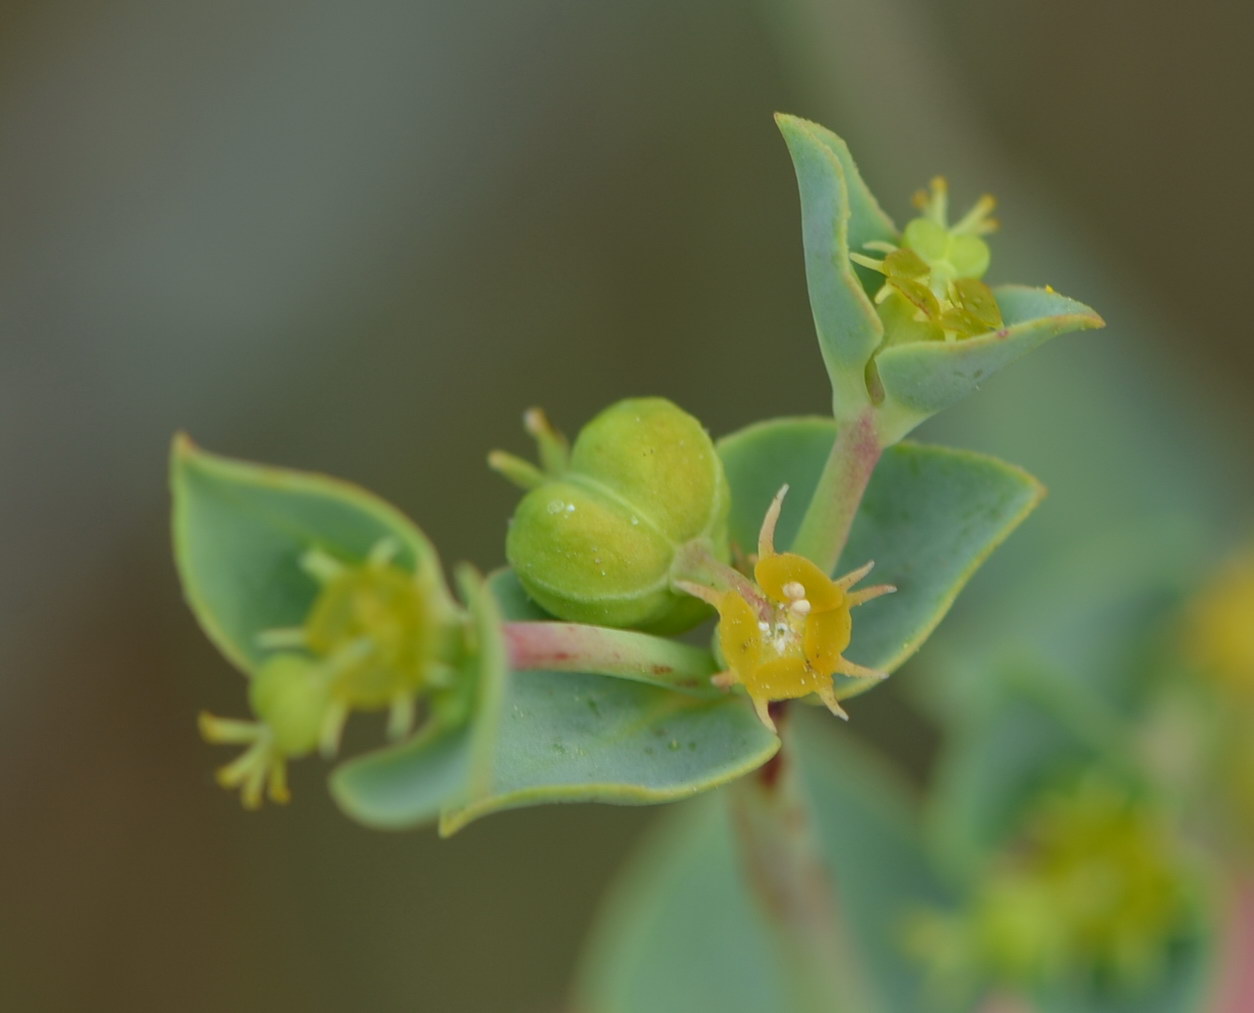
[(291, 699), (595, 540), (291, 696)]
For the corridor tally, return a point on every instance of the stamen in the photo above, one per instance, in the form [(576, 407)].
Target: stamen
[(794, 589), (536, 423), (856, 671), (851, 578), (226, 731), (400, 716), (346, 657), (235, 773), (936, 204), (554, 451), (522, 473), (801, 606), (290, 636), (762, 709), (384, 551), (766, 537), (865, 261), (277, 783), (869, 593), (322, 566), (332, 729), (828, 696), (706, 594), (977, 222), (250, 793)]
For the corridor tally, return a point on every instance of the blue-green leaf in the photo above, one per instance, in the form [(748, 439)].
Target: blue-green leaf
[(241, 529), (849, 330), (412, 783), (681, 931), (407, 785), (868, 222), (539, 737), (922, 378), (867, 828), (574, 737)]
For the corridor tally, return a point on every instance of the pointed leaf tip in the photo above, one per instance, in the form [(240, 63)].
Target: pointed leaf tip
[(844, 318)]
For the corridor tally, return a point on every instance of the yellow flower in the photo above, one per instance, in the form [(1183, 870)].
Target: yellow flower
[(932, 288), (370, 641), (785, 636)]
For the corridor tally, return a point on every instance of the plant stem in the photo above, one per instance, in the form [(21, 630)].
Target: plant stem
[(695, 563), (829, 516), (793, 888), (573, 647)]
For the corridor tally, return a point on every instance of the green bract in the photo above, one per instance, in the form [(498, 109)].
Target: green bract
[(325, 597), (596, 538), (923, 331)]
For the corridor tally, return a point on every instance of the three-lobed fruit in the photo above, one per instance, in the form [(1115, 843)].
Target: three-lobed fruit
[(596, 541)]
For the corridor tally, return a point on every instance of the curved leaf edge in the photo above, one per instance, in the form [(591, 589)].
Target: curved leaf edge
[(1036, 493), (835, 332), (612, 793), (1081, 318), (185, 454)]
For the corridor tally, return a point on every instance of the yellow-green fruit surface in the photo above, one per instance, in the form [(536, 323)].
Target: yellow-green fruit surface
[(292, 699), (596, 544)]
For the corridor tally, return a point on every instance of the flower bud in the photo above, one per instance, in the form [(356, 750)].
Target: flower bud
[(596, 538), (290, 696)]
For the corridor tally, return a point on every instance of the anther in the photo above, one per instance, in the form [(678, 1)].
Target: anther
[(794, 590)]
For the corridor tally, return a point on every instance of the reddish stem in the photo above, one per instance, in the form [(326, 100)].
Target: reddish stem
[(573, 647), (829, 517)]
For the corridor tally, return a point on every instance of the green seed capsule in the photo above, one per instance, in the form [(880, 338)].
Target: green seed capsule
[(290, 696), (595, 539)]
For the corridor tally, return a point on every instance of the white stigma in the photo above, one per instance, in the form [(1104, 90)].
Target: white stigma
[(801, 606), (794, 590)]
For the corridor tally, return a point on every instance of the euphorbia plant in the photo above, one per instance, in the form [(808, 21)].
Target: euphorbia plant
[(558, 678)]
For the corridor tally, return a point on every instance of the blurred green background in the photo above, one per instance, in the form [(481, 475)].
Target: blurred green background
[(361, 238)]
